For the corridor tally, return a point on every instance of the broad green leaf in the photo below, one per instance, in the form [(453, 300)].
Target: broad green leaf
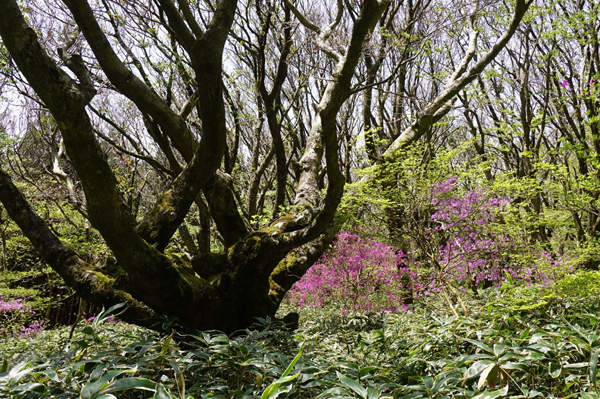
[(554, 368), (334, 392), (499, 348), (31, 387), (373, 393), (477, 368), (97, 372), (536, 337), (488, 376), (525, 332), (290, 367), (88, 330), (516, 366), (480, 345), (439, 383), (365, 370), (115, 307), (20, 370), (220, 338), (594, 367), (274, 386), (428, 382), (161, 393), (492, 394), (477, 356), (510, 355), (130, 383), (271, 390), (353, 385), (534, 394), (92, 388), (49, 373)]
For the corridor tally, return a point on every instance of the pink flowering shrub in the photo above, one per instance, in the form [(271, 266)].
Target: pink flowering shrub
[(474, 248), (35, 327), (358, 274), (470, 250), (461, 242), (18, 319)]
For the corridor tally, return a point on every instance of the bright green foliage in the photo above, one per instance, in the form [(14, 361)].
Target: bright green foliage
[(583, 285), (573, 289), (24, 276), (424, 354), (462, 230)]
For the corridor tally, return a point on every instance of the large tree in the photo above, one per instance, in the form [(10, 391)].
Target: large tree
[(197, 136)]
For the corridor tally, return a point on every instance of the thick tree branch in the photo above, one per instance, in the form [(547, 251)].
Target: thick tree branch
[(86, 279), (323, 130), (170, 209), (224, 209), (151, 270), (184, 5), (297, 262), (178, 26), (249, 255), (272, 102), (303, 20), (437, 108), (146, 99), (322, 34), (173, 204)]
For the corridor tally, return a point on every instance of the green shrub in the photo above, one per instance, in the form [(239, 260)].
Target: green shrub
[(425, 353)]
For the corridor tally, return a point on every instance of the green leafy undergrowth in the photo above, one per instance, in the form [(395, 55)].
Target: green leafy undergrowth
[(581, 288), (423, 353)]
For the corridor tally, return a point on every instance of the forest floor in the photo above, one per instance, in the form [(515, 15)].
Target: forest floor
[(514, 343)]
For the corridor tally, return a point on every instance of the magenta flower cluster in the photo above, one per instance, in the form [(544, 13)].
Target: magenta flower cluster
[(461, 244), (12, 305), (473, 249), (358, 274), (16, 319), (470, 250)]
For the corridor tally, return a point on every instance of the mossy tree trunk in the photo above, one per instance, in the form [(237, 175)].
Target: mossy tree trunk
[(224, 290), (249, 278)]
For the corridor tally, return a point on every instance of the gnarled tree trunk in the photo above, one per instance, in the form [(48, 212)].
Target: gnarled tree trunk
[(224, 290)]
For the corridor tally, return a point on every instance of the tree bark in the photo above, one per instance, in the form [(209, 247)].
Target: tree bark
[(216, 291), (442, 104)]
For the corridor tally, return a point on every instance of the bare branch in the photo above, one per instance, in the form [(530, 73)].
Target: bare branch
[(307, 24), (184, 5), (439, 106), (322, 35)]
